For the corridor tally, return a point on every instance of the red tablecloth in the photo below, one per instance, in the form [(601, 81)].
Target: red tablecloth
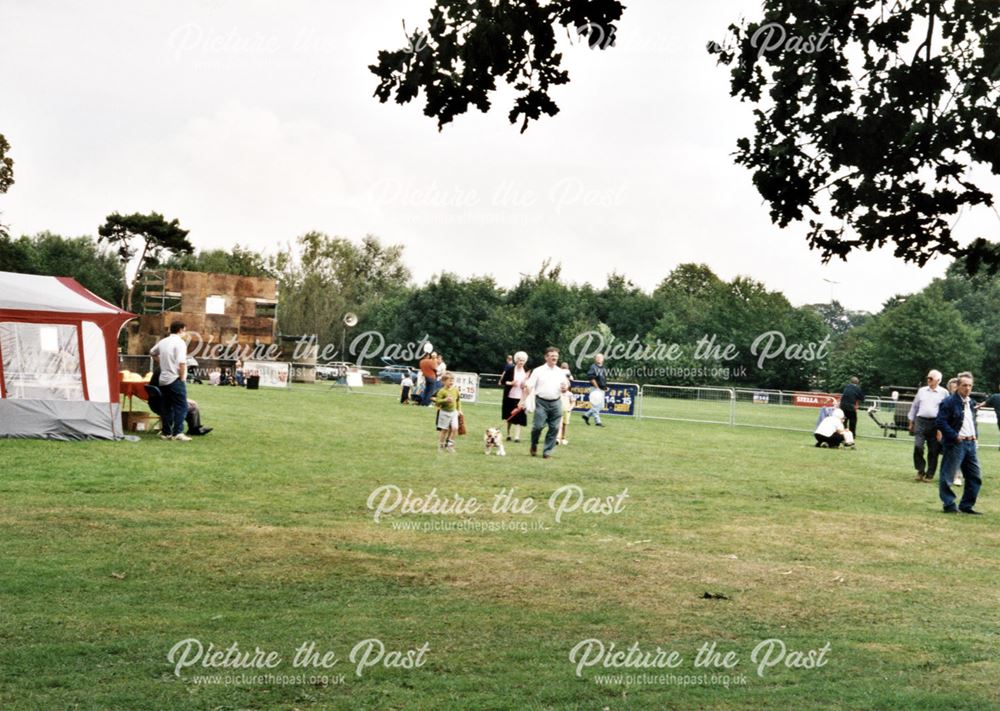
[(129, 388)]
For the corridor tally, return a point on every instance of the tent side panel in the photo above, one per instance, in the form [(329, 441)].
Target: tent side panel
[(59, 419), (95, 361)]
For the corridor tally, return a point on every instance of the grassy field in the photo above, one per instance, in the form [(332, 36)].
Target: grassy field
[(261, 535)]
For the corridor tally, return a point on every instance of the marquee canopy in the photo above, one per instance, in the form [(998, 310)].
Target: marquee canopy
[(58, 359)]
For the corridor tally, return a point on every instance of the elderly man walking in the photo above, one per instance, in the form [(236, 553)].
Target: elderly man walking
[(957, 421), (923, 425)]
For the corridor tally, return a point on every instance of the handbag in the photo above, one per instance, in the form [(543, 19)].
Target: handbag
[(529, 402), (461, 423)]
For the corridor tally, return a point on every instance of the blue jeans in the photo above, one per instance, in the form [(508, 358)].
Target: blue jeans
[(960, 455), (593, 412), (547, 412), (175, 407), (430, 387)]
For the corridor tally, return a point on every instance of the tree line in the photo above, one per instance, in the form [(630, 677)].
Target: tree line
[(715, 330)]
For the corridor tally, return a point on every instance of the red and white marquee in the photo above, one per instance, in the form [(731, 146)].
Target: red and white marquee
[(58, 359)]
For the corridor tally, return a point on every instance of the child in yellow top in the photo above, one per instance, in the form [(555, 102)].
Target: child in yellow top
[(449, 403)]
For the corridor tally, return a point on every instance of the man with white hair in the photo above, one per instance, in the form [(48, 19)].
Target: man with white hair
[(923, 417), (831, 431)]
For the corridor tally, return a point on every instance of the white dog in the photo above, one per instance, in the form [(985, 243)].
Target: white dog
[(493, 440)]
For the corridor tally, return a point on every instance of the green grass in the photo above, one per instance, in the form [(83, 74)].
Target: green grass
[(260, 534)]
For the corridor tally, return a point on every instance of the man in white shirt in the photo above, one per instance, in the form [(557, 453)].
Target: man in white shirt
[(830, 431), (548, 383), (957, 422), (172, 355), (923, 418)]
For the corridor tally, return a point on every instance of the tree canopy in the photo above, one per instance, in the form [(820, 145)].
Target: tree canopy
[(467, 46), (6, 173), (150, 237), (953, 324), (241, 261), (6, 166), (78, 257), (322, 278), (872, 120)]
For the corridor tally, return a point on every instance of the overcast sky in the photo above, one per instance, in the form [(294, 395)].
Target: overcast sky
[(253, 121)]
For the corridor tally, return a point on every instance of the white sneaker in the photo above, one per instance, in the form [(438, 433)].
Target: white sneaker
[(959, 481), (182, 438), (163, 436)]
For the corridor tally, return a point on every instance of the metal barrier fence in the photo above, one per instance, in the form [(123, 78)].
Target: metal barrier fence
[(736, 407), (765, 409), (688, 404), (140, 364), (781, 414)]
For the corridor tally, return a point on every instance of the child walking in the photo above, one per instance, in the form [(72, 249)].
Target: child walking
[(406, 385), (568, 398), (449, 403)]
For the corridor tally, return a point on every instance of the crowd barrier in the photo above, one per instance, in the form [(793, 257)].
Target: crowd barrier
[(793, 411)]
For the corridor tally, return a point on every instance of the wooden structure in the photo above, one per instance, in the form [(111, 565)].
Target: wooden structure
[(221, 308)]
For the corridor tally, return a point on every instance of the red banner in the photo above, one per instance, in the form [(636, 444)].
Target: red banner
[(814, 399)]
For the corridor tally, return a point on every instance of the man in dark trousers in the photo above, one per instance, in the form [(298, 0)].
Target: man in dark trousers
[(956, 421), (923, 425), (849, 402)]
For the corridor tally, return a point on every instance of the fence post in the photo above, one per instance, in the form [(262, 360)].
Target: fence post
[(732, 407)]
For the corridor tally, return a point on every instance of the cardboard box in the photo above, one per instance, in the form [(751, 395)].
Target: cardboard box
[(139, 421)]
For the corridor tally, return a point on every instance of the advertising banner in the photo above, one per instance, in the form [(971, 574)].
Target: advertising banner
[(272, 374), (468, 385), (619, 398)]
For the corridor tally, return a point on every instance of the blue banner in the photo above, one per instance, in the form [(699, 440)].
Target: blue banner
[(619, 398)]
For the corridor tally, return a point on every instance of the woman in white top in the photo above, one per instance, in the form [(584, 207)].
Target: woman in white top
[(515, 380)]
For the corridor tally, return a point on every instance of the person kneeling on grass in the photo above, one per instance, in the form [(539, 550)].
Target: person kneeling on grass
[(449, 404), (831, 431)]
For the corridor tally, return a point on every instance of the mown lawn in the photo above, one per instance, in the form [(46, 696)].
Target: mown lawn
[(260, 534)]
